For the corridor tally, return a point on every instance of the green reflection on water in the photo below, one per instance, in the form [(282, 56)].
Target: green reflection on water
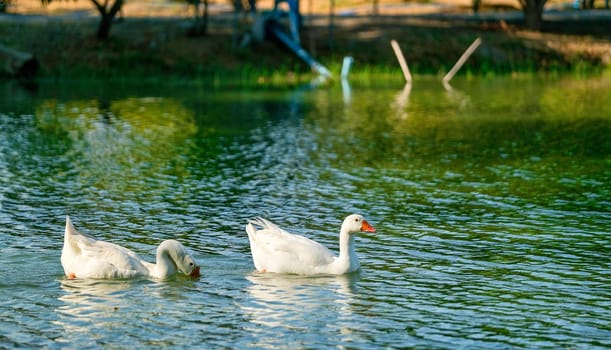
[(508, 119), (500, 136), (543, 141), (129, 138)]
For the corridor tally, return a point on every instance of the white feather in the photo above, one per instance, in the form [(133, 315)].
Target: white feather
[(276, 250), (85, 257)]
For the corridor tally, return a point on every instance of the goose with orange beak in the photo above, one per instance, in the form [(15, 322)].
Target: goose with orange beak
[(275, 250)]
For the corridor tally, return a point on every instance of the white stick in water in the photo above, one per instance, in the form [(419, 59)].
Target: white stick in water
[(468, 52), (402, 63), (346, 66)]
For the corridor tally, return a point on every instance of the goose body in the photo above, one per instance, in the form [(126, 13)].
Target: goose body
[(275, 250), (86, 257)]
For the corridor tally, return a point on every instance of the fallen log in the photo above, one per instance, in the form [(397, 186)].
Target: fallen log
[(18, 64)]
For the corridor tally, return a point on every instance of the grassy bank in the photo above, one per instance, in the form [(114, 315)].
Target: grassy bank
[(148, 47)]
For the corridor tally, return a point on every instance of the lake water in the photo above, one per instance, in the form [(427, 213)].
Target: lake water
[(492, 204)]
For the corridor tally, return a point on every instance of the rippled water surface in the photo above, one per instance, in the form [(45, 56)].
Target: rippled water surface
[(491, 203)]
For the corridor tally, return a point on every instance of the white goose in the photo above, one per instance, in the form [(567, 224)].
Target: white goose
[(275, 250), (85, 257)]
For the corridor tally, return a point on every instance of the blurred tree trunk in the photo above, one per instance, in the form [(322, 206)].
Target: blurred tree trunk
[(533, 13), (3, 5), (108, 11), (588, 4), (200, 26)]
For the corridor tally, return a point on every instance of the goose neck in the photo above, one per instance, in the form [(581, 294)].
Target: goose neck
[(346, 244), (165, 265)]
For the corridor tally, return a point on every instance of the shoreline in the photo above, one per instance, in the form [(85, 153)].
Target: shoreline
[(431, 42)]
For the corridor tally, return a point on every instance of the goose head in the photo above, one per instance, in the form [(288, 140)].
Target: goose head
[(180, 256), (356, 223)]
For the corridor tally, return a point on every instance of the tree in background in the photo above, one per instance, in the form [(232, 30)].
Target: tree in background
[(533, 13), (3, 5), (201, 17), (108, 9)]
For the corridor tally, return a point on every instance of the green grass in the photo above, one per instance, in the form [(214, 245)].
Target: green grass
[(146, 51)]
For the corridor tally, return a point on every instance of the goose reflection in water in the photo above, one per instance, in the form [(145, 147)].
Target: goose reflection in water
[(88, 302), (293, 301)]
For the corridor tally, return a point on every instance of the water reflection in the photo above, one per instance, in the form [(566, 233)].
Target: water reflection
[(108, 138), (121, 312), (88, 304), (294, 303), (346, 92), (456, 96), (401, 101)]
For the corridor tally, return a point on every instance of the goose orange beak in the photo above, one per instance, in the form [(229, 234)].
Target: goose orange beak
[(366, 227), (195, 272)]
